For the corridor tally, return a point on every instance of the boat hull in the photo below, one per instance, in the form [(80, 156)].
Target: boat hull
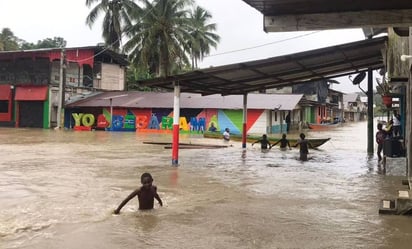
[(315, 142), (323, 127)]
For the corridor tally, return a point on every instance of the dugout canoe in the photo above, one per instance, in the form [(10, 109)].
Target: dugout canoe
[(168, 145), (316, 142), (323, 127)]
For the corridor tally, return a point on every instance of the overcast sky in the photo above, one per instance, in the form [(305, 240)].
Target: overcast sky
[(239, 26)]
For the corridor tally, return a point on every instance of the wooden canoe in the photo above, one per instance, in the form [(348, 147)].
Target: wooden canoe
[(323, 127), (168, 145), (316, 142), (198, 146)]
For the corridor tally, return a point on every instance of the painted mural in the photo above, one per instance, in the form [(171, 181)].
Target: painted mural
[(161, 120)]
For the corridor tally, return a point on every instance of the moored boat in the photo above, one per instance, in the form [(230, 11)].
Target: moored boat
[(324, 126), (315, 142), (168, 145)]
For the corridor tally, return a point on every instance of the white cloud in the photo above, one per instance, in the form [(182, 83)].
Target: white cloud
[(239, 25)]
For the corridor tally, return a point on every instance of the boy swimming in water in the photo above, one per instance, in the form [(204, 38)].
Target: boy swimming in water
[(146, 194)]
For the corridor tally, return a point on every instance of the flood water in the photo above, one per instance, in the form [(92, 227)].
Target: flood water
[(58, 189)]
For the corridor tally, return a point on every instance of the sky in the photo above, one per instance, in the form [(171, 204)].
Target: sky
[(239, 25)]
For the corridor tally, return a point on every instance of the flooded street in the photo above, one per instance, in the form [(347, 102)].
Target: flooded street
[(58, 189)]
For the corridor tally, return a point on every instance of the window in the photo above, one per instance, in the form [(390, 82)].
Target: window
[(4, 106)]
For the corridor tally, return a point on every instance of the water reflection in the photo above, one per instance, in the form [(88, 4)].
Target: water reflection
[(146, 222), (58, 189)]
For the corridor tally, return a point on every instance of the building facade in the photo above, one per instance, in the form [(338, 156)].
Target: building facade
[(151, 111), (30, 81)]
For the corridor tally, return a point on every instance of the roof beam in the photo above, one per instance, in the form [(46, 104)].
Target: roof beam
[(300, 81), (310, 71), (339, 20)]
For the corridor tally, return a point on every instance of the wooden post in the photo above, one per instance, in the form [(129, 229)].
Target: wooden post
[(408, 117), (370, 112)]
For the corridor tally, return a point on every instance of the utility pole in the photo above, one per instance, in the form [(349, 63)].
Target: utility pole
[(61, 92)]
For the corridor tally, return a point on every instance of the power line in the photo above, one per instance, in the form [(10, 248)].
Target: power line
[(223, 53), (263, 45)]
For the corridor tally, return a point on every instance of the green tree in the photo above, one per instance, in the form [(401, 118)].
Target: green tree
[(8, 41), (158, 38), (202, 36), (133, 74), (56, 42), (117, 16)]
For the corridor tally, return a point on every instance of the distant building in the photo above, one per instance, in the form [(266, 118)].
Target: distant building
[(319, 103), (29, 81), (355, 109)]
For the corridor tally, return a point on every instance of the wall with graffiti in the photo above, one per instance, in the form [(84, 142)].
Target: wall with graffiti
[(161, 120)]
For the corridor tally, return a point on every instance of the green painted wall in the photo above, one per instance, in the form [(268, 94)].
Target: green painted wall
[(46, 112), (236, 117)]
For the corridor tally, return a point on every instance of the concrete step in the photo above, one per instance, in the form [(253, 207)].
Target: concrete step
[(388, 207)]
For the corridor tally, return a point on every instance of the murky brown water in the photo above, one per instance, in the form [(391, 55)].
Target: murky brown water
[(59, 188)]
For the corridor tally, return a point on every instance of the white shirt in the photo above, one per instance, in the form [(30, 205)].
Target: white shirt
[(226, 135), (396, 121)]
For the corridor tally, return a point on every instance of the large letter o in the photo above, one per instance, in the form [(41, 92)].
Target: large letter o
[(88, 120)]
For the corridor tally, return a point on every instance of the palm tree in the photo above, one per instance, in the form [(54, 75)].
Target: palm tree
[(201, 36), (158, 38), (116, 18)]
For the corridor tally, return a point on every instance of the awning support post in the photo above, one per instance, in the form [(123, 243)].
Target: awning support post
[(111, 114), (244, 121), (370, 112), (176, 116), (408, 130)]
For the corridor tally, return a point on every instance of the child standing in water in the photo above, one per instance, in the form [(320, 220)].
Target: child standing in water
[(146, 194), (226, 135), (283, 143), (264, 142), (303, 145), (380, 138)]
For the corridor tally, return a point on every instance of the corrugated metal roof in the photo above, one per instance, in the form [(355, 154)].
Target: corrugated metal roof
[(188, 100), (364, 99), (31, 93), (98, 52), (5, 92), (241, 78), (351, 97)]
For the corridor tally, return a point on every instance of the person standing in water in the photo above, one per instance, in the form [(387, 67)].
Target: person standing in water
[(380, 138), (287, 121), (396, 124), (264, 142), (146, 194), (226, 135), (303, 147), (212, 127), (284, 143)]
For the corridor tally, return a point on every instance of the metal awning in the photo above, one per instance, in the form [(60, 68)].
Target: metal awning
[(286, 70), (31, 93), (297, 15), (136, 99), (5, 92), (297, 7)]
